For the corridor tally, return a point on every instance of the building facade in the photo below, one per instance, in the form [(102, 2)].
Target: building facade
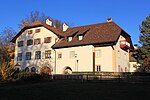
[(102, 47)]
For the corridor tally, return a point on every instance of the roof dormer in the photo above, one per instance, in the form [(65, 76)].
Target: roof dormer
[(69, 38), (80, 37)]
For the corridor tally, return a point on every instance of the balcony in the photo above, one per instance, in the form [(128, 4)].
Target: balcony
[(124, 44)]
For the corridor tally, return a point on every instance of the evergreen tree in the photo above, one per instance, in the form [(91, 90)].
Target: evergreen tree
[(144, 50)]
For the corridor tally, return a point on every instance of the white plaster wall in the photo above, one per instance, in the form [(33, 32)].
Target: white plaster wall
[(33, 48), (123, 60), (84, 55), (105, 59), (132, 68)]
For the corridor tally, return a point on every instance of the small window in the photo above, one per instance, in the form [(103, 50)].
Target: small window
[(59, 55), (47, 54), (37, 30), (28, 55), (72, 54), (118, 54), (37, 41), (29, 42), (30, 31), (125, 56), (98, 68), (119, 68), (47, 40), (97, 53), (19, 58), (33, 69), (126, 69), (38, 55), (69, 39), (20, 43), (80, 37)]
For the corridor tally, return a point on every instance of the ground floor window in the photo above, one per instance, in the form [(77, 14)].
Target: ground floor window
[(119, 69), (33, 69), (26, 69), (98, 68)]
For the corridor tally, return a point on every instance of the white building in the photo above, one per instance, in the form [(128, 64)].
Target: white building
[(98, 47)]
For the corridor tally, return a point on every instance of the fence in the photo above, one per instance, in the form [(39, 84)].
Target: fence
[(115, 78)]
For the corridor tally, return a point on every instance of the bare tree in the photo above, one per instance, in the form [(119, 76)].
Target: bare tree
[(37, 16)]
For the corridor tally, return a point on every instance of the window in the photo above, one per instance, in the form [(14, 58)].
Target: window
[(98, 68), (37, 30), (30, 31), (80, 37), (125, 56), (26, 69), (119, 69), (126, 69), (59, 55), (33, 69), (69, 39), (37, 41), (47, 40), (20, 43), (47, 54), (19, 58), (72, 54), (118, 54), (97, 53), (38, 55), (29, 42), (28, 55)]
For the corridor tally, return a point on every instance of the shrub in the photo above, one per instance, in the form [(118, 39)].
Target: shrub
[(28, 77)]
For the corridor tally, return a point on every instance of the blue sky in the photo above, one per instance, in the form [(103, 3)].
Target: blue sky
[(128, 14)]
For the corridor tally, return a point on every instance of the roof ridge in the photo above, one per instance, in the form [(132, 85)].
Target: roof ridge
[(91, 25)]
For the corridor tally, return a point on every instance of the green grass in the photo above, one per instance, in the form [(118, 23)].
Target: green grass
[(72, 90)]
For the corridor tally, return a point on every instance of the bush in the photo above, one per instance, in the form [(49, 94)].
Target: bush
[(28, 77)]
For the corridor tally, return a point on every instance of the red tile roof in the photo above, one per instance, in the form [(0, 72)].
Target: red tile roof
[(57, 31), (101, 33)]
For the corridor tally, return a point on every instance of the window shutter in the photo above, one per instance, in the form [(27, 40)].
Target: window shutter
[(44, 40), (39, 41), (50, 38), (34, 41)]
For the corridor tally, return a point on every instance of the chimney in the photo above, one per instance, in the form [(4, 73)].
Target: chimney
[(109, 20), (48, 22), (65, 27)]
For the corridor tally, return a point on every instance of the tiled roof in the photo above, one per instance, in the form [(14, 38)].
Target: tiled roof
[(38, 24), (101, 33)]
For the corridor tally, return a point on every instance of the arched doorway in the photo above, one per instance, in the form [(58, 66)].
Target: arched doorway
[(46, 70), (68, 70)]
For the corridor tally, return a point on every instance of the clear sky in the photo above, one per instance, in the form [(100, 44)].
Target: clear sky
[(128, 14)]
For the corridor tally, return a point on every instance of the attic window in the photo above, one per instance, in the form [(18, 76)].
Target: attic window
[(30, 31), (80, 37), (37, 30), (69, 39)]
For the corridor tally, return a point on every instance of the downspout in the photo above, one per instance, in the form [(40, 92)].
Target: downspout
[(55, 62), (55, 59)]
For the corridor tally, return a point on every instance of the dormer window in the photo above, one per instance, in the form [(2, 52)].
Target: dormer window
[(69, 39), (80, 37)]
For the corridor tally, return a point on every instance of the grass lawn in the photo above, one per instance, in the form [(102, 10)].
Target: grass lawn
[(72, 90)]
